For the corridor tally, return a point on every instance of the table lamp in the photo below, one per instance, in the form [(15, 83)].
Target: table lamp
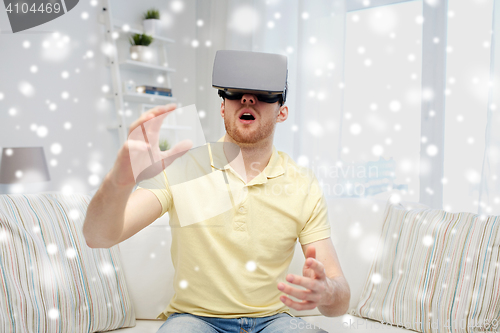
[(23, 165)]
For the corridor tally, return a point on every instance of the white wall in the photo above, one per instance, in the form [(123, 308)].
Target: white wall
[(88, 148)]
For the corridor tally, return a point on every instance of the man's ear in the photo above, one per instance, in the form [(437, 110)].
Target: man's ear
[(282, 114), (222, 106)]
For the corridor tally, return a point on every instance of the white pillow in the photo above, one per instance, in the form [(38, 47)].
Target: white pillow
[(434, 271), (51, 281)]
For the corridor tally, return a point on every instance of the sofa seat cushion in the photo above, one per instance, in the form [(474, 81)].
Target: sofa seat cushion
[(343, 324), (51, 281)]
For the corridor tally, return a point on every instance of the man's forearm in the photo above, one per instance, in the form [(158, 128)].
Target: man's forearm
[(339, 296), (105, 214)]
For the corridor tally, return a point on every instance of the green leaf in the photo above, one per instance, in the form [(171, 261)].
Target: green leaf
[(164, 145), (141, 39), (152, 14)]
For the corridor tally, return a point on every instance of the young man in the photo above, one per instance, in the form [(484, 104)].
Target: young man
[(231, 268)]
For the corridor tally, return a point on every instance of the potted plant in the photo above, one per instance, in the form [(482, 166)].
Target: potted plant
[(164, 145), (151, 22), (139, 50)]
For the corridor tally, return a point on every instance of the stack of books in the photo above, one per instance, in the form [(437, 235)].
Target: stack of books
[(154, 90)]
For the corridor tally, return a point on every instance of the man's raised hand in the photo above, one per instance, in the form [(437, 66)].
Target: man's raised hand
[(140, 157)]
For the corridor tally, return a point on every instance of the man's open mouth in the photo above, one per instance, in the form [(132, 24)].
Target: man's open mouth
[(247, 116)]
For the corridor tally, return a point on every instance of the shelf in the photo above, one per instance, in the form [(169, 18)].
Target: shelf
[(118, 26), (132, 64), (147, 98), (116, 35), (172, 127), (176, 127)]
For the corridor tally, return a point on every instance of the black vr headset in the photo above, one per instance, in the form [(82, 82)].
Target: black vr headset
[(261, 74)]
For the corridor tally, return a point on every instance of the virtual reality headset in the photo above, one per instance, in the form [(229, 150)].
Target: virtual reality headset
[(263, 74)]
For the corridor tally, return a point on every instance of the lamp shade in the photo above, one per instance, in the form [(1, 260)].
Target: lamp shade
[(23, 165)]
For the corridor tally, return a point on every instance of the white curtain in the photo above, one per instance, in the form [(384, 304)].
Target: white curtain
[(331, 116), (489, 196)]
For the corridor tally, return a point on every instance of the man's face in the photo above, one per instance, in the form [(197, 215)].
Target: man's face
[(249, 120)]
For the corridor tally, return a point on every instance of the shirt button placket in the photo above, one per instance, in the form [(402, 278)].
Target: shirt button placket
[(239, 222)]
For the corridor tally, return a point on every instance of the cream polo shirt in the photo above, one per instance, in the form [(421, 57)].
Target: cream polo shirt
[(229, 264)]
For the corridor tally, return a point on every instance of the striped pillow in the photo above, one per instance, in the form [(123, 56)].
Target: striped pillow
[(50, 280), (435, 271)]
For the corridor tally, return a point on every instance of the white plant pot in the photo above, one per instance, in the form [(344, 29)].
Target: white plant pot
[(141, 53), (151, 26)]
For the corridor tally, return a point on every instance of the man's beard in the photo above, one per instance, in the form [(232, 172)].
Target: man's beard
[(240, 136)]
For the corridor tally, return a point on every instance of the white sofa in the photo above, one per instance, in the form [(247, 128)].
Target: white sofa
[(356, 227), (47, 226)]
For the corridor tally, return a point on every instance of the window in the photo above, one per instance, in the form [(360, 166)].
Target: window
[(380, 145)]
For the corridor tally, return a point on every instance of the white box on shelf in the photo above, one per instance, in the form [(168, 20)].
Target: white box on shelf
[(128, 86)]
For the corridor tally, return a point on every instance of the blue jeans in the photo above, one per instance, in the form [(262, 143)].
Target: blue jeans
[(279, 323)]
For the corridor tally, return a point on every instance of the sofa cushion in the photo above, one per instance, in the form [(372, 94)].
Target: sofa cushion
[(51, 281), (343, 324), (434, 270)]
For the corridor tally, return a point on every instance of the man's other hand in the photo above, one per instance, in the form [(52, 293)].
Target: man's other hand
[(319, 288)]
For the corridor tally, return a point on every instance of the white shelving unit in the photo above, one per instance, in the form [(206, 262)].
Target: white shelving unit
[(119, 26), (133, 64), (119, 60)]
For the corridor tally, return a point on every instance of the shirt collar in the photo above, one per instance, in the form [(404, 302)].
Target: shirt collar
[(274, 167)]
